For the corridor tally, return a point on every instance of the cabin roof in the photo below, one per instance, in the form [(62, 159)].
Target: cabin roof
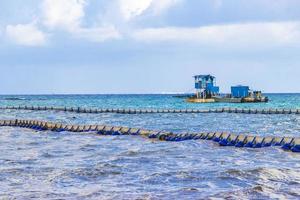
[(240, 86), (204, 76)]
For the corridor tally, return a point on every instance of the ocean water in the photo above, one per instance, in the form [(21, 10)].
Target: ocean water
[(68, 165)]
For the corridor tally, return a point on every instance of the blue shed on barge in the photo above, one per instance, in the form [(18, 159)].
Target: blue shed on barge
[(240, 91)]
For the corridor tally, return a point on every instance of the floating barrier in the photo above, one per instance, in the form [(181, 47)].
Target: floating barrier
[(223, 139), (149, 111)]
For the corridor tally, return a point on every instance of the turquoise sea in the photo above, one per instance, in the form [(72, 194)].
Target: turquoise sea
[(88, 166)]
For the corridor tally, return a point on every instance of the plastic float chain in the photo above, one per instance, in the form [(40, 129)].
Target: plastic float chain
[(144, 111), (224, 139)]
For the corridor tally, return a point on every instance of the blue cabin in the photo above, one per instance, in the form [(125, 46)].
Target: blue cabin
[(206, 86), (240, 91)]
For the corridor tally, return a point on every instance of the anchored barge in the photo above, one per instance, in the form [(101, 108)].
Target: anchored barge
[(208, 92)]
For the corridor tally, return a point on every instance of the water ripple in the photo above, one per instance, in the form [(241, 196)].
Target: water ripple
[(47, 165)]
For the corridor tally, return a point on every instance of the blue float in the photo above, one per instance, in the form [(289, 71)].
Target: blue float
[(258, 145), (223, 142), (296, 148), (116, 133), (239, 144), (249, 145), (217, 139), (278, 143), (231, 143), (286, 147)]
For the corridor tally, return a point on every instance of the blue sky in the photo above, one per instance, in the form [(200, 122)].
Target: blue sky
[(147, 46)]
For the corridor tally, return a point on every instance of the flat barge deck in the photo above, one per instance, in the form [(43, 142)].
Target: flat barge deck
[(226, 100)]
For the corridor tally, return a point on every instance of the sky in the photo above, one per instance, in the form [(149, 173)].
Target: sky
[(147, 46)]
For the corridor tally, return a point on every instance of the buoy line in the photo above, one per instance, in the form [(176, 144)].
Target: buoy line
[(223, 139), (149, 111)]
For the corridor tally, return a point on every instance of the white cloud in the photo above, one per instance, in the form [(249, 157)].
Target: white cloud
[(159, 6), (26, 34), (68, 15), (65, 14), (99, 34), (133, 8), (268, 33)]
